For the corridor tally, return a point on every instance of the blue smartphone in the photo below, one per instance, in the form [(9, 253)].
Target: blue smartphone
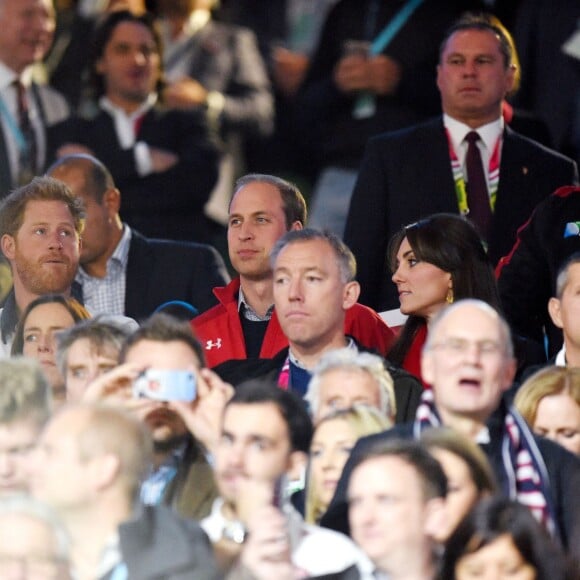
[(166, 385)]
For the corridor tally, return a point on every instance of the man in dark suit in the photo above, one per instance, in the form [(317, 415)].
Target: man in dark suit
[(26, 108), (123, 272), (424, 169), (163, 160)]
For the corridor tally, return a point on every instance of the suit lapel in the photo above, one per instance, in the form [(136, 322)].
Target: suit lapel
[(137, 276)]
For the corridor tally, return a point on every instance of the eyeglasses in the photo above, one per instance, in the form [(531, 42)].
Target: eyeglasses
[(461, 346)]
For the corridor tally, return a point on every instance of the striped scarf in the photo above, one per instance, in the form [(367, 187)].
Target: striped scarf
[(528, 480)]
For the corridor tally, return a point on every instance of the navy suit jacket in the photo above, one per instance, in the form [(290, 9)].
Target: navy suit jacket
[(163, 270), (406, 175), (164, 204)]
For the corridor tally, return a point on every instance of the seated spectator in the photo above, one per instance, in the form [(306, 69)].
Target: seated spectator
[(184, 432), (33, 542), (120, 268), (245, 324), (549, 401), (468, 360), (435, 262), (527, 276), (500, 537), (469, 474), (344, 378), (163, 160), (468, 162), (89, 467), (265, 433), (25, 406), (35, 335), (86, 351), (29, 108), (314, 288), (334, 437), (43, 260)]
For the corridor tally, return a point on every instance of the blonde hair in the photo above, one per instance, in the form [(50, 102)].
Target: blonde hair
[(363, 420), (546, 382)]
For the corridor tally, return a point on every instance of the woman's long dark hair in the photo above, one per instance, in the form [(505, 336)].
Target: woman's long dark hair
[(497, 516), (451, 243)]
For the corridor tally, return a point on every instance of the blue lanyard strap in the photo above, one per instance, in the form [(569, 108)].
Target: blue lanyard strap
[(120, 572), (13, 126), (392, 28)]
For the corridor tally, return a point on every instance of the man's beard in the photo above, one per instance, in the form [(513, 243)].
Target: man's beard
[(166, 445), (39, 279)]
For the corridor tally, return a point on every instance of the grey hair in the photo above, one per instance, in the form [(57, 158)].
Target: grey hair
[(24, 391), (101, 332), (349, 359), (485, 308), (24, 505), (344, 257)]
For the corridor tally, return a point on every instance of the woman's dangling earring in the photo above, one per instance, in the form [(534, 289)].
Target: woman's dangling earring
[(449, 298)]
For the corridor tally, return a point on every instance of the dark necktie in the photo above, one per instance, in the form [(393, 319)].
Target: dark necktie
[(477, 196), (27, 160)]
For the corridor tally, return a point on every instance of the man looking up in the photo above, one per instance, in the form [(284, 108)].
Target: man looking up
[(121, 269), (245, 323), (468, 360), (27, 109), (40, 228)]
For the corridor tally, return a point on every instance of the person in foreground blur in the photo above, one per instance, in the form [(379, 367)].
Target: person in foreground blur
[(25, 407), (34, 545), (344, 377), (469, 474), (35, 335), (89, 466), (549, 401), (40, 228), (500, 539), (396, 497), (334, 437)]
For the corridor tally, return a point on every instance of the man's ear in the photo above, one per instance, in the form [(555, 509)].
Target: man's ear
[(435, 517), (297, 463), (427, 370), (350, 294), (104, 470), (8, 246), (112, 201), (555, 311), (297, 225)]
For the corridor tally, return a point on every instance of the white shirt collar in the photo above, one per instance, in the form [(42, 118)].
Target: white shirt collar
[(488, 133)]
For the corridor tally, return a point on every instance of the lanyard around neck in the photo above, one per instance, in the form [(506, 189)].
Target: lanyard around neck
[(14, 126)]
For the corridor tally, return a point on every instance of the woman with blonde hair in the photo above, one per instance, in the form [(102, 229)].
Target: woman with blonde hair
[(549, 401), (334, 437)]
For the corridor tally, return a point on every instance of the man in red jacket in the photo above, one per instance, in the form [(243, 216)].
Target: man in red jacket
[(244, 324)]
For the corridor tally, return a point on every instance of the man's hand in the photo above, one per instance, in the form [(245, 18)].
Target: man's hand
[(289, 69), (162, 159), (379, 74), (203, 416), (185, 93), (115, 387)]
